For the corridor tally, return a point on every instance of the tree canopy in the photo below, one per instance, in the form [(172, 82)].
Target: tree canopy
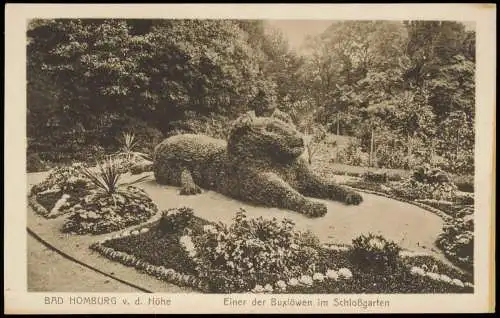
[(388, 83)]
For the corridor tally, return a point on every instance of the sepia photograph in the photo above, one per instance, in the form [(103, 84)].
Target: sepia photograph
[(244, 156)]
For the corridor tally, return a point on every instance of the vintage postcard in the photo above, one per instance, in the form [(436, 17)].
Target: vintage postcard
[(249, 158)]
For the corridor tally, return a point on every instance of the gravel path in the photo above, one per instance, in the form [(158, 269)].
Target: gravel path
[(412, 227), (48, 271)]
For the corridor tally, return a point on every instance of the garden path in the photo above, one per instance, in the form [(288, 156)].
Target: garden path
[(412, 227), (48, 271)]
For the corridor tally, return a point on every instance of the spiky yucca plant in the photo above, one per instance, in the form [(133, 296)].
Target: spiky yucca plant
[(128, 145), (106, 177)]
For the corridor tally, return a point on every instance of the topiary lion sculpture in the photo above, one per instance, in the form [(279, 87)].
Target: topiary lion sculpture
[(260, 163)]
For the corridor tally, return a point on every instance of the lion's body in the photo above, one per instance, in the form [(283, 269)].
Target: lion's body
[(257, 164)]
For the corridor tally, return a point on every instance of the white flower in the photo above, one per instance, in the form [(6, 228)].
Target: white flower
[(293, 282), (258, 289), (319, 277), (306, 280), (173, 212), (376, 243), (433, 276), (281, 285), (188, 245), (417, 271), (268, 288), (457, 282), (209, 229), (331, 274), (445, 278), (467, 284), (92, 215), (345, 272)]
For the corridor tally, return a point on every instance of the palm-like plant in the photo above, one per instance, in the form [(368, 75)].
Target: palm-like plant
[(128, 147), (106, 177)]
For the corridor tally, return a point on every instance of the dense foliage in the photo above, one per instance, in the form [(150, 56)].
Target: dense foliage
[(427, 183), (251, 251), (457, 238), (270, 256), (375, 252), (387, 83)]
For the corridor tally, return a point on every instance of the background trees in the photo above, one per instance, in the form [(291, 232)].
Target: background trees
[(389, 84)]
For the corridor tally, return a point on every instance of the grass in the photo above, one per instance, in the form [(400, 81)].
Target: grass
[(163, 249)]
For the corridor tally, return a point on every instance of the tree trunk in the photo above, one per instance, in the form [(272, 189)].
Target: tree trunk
[(338, 124), (457, 145), (371, 148), (409, 149)]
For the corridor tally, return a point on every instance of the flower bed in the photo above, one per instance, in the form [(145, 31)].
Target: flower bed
[(59, 191), (457, 240), (267, 256), (98, 212), (95, 199)]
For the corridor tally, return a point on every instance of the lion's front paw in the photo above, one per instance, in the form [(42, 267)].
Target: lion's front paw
[(353, 198), (190, 190), (314, 209)]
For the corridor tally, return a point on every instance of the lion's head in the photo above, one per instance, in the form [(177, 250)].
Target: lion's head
[(272, 137)]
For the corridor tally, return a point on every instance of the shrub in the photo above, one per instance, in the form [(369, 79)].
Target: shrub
[(457, 239), (427, 183), (175, 220), (464, 183), (375, 252), (391, 157), (353, 155), (379, 177), (463, 164), (465, 198), (465, 186), (251, 252), (144, 166), (468, 210), (34, 163), (214, 126), (394, 177), (146, 137)]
